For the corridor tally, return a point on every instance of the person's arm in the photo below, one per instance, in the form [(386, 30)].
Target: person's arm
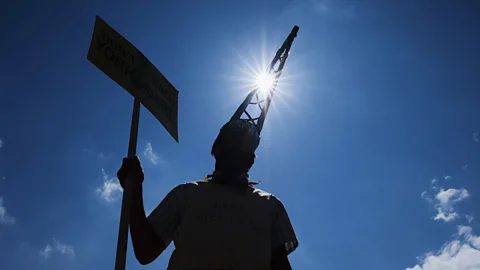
[(152, 235), (166, 217), (284, 240), (147, 246), (280, 259)]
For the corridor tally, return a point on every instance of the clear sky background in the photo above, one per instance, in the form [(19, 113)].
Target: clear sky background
[(371, 142)]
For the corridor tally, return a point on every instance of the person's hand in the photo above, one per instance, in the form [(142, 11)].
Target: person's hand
[(131, 170)]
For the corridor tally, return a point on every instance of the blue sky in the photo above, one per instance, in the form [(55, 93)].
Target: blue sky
[(372, 140)]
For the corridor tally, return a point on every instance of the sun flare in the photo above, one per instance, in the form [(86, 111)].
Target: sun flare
[(255, 73), (265, 81)]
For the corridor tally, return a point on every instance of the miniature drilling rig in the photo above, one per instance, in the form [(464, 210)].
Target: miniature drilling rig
[(254, 98)]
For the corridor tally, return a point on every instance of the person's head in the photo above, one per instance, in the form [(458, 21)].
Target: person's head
[(234, 148)]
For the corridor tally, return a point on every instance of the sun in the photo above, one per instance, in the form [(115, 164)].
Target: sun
[(257, 75), (265, 81)]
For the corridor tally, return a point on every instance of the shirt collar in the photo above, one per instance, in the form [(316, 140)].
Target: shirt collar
[(241, 179)]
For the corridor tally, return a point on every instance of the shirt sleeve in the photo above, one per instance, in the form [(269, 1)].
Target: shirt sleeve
[(283, 234), (166, 217)]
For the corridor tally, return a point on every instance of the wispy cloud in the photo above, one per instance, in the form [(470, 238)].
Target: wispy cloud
[(57, 247), (334, 8), (104, 156), (63, 248), (110, 190), (462, 253), (445, 201), (46, 251), (321, 7), (447, 177), (469, 218), (5, 218), (151, 155), (425, 196), (445, 215), (476, 137), (1, 143)]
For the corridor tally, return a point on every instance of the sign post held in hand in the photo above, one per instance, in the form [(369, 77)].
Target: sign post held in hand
[(127, 66)]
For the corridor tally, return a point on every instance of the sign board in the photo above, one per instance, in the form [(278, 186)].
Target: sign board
[(126, 65)]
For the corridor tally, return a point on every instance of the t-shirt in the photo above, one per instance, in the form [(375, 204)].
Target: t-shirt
[(222, 212)]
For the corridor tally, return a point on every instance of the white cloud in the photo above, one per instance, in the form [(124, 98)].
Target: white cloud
[(110, 190), (434, 180), (464, 230), (446, 199), (444, 202), (58, 247), (447, 177), (450, 196), (150, 154), (5, 218), (462, 253), (1, 143), (445, 216)]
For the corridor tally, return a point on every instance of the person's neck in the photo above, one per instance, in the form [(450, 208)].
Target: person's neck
[(230, 177)]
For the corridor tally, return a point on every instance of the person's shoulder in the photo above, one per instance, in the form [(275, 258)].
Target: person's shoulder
[(263, 194), (184, 190), (195, 184), (270, 199), (268, 196), (191, 186), (186, 187)]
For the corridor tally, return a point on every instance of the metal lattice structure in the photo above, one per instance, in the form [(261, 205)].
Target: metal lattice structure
[(262, 102)]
